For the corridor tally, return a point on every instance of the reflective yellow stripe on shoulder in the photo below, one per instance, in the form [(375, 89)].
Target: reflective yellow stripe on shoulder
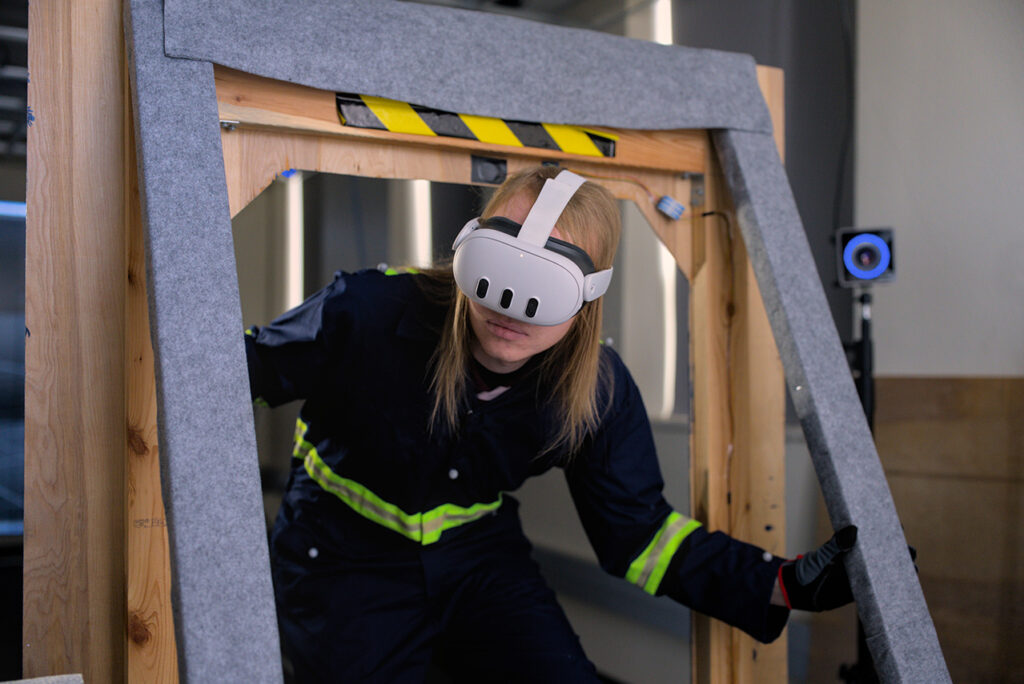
[(647, 570), (425, 528), (390, 270)]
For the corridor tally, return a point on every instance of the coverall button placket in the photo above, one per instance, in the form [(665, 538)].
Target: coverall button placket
[(437, 568)]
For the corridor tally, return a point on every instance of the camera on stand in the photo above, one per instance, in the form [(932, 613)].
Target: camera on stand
[(864, 256)]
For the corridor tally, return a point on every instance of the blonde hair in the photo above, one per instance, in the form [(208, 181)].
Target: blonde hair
[(572, 369)]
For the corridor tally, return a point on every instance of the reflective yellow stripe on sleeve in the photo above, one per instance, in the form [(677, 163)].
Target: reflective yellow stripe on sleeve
[(647, 570), (425, 528)]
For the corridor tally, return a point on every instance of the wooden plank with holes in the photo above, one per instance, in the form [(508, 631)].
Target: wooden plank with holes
[(758, 389), (738, 438), (712, 419)]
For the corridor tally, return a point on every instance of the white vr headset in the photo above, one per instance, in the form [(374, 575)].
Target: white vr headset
[(523, 272)]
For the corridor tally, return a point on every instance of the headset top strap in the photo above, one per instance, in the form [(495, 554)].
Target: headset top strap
[(553, 197)]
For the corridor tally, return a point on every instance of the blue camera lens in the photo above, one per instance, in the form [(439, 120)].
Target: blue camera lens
[(868, 249)]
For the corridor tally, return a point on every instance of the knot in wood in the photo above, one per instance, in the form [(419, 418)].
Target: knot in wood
[(138, 631), (136, 443)]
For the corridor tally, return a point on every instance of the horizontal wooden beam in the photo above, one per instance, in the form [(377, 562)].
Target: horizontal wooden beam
[(253, 101), (253, 157)]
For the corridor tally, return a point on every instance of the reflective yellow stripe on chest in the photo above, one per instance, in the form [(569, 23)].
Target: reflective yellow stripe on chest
[(425, 528)]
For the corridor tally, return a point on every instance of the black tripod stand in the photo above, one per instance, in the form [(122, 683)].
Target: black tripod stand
[(861, 356)]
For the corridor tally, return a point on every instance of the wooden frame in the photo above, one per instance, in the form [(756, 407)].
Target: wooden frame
[(737, 441), (96, 573)]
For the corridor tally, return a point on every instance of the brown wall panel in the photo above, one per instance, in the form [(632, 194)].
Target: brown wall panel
[(953, 450), (969, 427)]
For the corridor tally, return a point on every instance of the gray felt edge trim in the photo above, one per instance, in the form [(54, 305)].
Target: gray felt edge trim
[(224, 616), (472, 62), (900, 632)]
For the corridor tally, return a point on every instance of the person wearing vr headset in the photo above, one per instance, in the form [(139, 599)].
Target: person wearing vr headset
[(429, 397)]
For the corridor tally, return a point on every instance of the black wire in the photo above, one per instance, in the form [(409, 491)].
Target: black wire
[(846, 29), (723, 215)]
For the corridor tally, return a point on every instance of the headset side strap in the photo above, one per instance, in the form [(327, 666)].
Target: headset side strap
[(596, 284), (470, 226)]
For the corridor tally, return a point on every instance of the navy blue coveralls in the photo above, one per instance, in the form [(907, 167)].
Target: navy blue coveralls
[(396, 546)]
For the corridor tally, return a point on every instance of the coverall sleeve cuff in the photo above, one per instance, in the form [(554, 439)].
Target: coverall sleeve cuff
[(774, 617), (775, 622), (729, 580)]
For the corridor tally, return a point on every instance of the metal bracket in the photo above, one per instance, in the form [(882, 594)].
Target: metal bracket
[(229, 125), (696, 188), (488, 170)]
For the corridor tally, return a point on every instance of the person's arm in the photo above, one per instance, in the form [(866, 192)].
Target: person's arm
[(616, 485), (289, 357)]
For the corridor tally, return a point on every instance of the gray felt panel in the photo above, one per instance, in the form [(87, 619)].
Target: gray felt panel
[(224, 616), (472, 62), (899, 629)]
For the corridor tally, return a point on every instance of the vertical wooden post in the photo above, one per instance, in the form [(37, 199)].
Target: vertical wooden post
[(738, 439), (758, 512), (712, 445), (75, 428)]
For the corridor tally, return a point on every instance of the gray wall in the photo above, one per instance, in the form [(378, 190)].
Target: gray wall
[(940, 119), (808, 41), (12, 180)]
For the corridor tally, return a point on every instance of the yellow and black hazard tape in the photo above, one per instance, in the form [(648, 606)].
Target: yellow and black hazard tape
[(365, 111)]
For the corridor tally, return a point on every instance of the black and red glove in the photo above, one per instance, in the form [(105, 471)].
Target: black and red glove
[(817, 581)]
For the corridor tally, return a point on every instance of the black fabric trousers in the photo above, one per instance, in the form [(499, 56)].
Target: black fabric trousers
[(473, 605)]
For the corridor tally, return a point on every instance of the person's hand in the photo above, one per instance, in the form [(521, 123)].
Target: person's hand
[(817, 581)]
